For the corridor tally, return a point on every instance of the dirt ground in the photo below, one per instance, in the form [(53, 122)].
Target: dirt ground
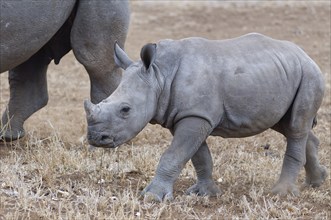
[(244, 170)]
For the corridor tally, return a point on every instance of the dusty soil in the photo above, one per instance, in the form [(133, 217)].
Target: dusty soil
[(244, 169)]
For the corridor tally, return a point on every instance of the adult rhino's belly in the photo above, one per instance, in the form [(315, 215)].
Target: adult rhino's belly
[(26, 26)]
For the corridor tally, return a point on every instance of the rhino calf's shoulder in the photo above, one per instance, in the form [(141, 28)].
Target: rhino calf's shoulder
[(230, 88)]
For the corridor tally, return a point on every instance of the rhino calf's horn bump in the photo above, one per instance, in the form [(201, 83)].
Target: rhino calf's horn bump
[(89, 107)]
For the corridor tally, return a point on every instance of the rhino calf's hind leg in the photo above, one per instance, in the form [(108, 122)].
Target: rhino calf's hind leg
[(315, 173), (296, 127), (293, 161), (28, 93), (203, 164)]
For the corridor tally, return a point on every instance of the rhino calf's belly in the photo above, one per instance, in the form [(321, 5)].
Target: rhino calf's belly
[(244, 122), (228, 129)]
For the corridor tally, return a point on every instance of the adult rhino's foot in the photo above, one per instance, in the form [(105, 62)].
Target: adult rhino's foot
[(208, 188), (316, 178), (283, 189), (7, 134), (158, 191)]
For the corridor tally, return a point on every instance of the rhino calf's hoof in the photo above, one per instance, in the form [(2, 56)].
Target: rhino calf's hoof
[(157, 192), (204, 189), (151, 197), (317, 178), (283, 189)]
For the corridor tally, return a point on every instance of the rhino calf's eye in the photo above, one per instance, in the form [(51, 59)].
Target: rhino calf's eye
[(125, 110)]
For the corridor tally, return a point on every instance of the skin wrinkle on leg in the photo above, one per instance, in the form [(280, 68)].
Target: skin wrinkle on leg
[(295, 159)]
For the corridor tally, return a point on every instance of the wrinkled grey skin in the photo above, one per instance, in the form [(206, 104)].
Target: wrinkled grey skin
[(230, 88), (33, 33)]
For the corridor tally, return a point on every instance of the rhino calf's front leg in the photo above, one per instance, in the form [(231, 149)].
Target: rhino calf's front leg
[(189, 134), (203, 164)]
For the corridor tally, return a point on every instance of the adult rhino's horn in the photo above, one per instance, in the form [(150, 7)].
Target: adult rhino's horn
[(89, 108)]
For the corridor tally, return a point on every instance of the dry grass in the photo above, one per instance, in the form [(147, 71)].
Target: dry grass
[(52, 173), (52, 179)]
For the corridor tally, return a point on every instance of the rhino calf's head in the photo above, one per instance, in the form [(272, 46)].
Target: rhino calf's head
[(122, 115)]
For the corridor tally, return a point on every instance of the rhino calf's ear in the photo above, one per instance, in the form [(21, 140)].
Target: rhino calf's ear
[(121, 58), (147, 55)]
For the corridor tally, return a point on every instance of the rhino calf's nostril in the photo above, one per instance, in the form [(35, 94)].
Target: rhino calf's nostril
[(104, 137)]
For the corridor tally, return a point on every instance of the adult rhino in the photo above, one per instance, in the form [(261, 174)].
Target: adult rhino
[(230, 88), (33, 33)]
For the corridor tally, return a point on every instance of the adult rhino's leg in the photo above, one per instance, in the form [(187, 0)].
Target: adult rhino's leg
[(315, 173), (203, 164), (189, 134), (97, 26), (28, 93)]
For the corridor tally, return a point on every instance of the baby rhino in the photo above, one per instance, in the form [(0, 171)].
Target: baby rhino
[(229, 88)]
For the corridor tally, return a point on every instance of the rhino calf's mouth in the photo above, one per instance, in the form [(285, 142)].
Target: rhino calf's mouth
[(99, 139)]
